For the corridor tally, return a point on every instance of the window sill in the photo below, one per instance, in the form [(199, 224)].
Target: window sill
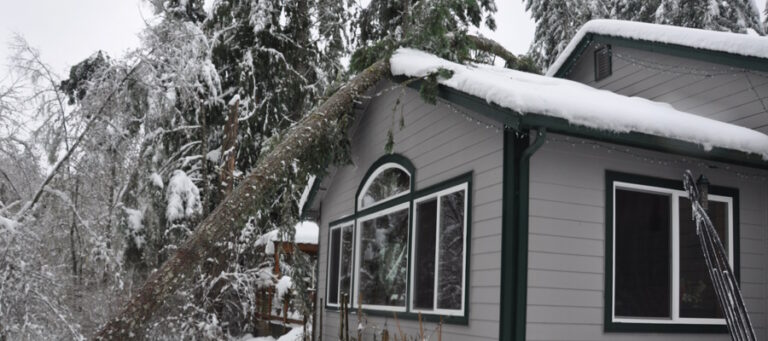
[(688, 328), (453, 320)]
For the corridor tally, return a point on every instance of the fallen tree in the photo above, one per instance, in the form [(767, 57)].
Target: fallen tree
[(309, 137)]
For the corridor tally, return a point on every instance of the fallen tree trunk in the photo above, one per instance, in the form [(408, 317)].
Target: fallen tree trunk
[(205, 243)]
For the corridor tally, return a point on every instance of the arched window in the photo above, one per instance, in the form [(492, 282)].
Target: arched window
[(403, 249), (391, 179)]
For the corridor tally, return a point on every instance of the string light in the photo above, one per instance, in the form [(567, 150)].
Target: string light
[(469, 118), (681, 162)]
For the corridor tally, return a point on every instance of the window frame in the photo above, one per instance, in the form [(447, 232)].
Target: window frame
[(411, 281), (339, 225), (370, 179), (358, 223), (674, 190), (392, 204)]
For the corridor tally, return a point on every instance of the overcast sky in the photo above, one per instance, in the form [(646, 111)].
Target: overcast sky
[(67, 31)]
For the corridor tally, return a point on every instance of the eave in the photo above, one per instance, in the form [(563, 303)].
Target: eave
[(704, 55)]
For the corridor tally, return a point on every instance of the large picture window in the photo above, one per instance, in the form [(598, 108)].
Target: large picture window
[(407, 249), (438, 249), (657, 270)]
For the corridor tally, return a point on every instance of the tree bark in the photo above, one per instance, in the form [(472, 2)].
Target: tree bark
[(492, 47), (228, 217), (229, 151)]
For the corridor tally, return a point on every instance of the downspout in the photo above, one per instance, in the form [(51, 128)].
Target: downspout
[(523, 200)]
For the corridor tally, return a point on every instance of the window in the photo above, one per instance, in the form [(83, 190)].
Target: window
[(439, 252), (383, 259), (389, 181), (339, 263), (409, 247), (657, 270)]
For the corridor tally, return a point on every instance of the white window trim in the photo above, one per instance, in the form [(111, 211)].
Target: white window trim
[(357, 249), (448, 312), (342, 226), (373, 177), (675, 196)]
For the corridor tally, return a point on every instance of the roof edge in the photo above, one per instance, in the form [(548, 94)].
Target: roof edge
[(561, 69), (521, 121)]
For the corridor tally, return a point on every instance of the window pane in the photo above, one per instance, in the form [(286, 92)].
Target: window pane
[(424, 269), (384, 259), (697, 295), (346, 260), (333, 269), (451, 277), (642, 248), (388, 183)]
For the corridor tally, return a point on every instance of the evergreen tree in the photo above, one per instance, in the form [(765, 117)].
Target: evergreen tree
[(558, 21), (733, 16)]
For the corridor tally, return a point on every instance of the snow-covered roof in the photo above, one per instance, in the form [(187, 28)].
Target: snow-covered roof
[(580, 104), (735, 43)]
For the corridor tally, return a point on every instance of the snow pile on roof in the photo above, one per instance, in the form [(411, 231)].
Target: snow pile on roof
[(306, 233), (736, 43), (580, 104)]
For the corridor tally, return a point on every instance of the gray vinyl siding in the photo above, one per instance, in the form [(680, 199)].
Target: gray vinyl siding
[(567, 236), (731, 95), (442, 144)]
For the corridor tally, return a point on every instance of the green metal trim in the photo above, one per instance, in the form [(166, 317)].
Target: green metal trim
[(705, 55), (523, 201), (513, 142), (608, 324), (514, 220), (573, 58)]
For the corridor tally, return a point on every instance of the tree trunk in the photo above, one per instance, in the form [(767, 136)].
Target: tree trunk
[(263, 183), (229, 151), (493, 47)]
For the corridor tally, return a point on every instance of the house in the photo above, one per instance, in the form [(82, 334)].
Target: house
[(527, 207)]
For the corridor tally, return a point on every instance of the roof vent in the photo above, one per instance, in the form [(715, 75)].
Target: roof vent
[(603, 63)]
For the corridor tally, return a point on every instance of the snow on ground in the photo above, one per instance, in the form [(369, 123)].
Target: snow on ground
[(580, 104), (294, 334), (736, 43)]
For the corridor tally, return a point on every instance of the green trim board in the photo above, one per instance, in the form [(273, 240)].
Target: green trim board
[(518, 151), (413, 195), (609, 325), (711, 56)]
